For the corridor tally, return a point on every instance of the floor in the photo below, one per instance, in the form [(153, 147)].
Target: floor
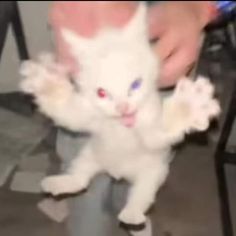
[(186, 205)]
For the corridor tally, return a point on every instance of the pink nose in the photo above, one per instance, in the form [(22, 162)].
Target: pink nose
[(122, 108)]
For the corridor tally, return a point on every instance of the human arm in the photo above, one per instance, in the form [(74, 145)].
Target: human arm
[(85, 18), (178, 26)]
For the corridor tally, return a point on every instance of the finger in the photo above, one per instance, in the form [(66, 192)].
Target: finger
[(164, 47), (171, 80), (177, 65)]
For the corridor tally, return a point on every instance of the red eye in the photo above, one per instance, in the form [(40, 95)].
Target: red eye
[(101, 93)]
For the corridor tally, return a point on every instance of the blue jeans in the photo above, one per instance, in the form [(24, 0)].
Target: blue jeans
[(93, 213)]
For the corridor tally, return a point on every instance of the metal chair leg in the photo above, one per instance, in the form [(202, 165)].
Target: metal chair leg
[(221, 158), (19, 34), (224, 201), (15, 101)]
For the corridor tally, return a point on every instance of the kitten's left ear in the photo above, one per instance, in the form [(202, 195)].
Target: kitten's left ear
[(79, 46), (137, 27)]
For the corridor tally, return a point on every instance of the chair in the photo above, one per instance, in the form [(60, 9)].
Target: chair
[(10, 17), (222, 156)]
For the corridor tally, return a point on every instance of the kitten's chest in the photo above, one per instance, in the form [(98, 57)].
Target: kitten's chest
[(116, 137), (117, 149)]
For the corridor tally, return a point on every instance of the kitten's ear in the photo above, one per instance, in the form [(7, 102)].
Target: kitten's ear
[(137, 27), (80, 47)]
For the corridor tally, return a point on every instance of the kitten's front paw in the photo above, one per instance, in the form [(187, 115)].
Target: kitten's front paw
[(43, 76), (132, 216), (194, 104), (61, 184)]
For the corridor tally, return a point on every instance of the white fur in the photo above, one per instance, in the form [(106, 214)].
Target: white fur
[(138, 154)]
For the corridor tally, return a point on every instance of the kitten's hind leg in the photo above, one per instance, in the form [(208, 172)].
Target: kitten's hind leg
[(76, 179), (142, 195)]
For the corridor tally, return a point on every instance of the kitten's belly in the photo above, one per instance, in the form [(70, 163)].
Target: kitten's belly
[(119, 151), (118, 139)]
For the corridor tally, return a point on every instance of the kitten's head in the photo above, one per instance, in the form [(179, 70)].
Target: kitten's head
[(118, 69)]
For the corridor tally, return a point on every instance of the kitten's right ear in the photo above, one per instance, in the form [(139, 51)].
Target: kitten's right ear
[(137, 26), (80, 47)]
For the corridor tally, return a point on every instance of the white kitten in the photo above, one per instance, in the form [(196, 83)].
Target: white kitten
[(117, 102)]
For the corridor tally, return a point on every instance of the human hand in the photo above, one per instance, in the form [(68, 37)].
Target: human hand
[(178, 27), (85, 18)]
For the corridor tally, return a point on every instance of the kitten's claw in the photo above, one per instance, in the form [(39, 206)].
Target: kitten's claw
[(61, 184), (132, 216), (193, 104), (42, 76)]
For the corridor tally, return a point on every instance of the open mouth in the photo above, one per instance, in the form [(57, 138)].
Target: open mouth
[(128, 119)]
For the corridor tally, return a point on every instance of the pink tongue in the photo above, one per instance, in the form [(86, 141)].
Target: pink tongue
[(128, 120)]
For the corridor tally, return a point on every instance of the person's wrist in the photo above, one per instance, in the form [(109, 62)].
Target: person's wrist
[(204, 11)]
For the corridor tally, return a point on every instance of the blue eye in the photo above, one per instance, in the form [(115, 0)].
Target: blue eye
[(136, 84)]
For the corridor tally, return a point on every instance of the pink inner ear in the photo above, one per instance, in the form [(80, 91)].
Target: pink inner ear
[(101, 93)]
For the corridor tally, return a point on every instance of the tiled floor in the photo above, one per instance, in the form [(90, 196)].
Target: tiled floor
[(186, 205), (19, 214)]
